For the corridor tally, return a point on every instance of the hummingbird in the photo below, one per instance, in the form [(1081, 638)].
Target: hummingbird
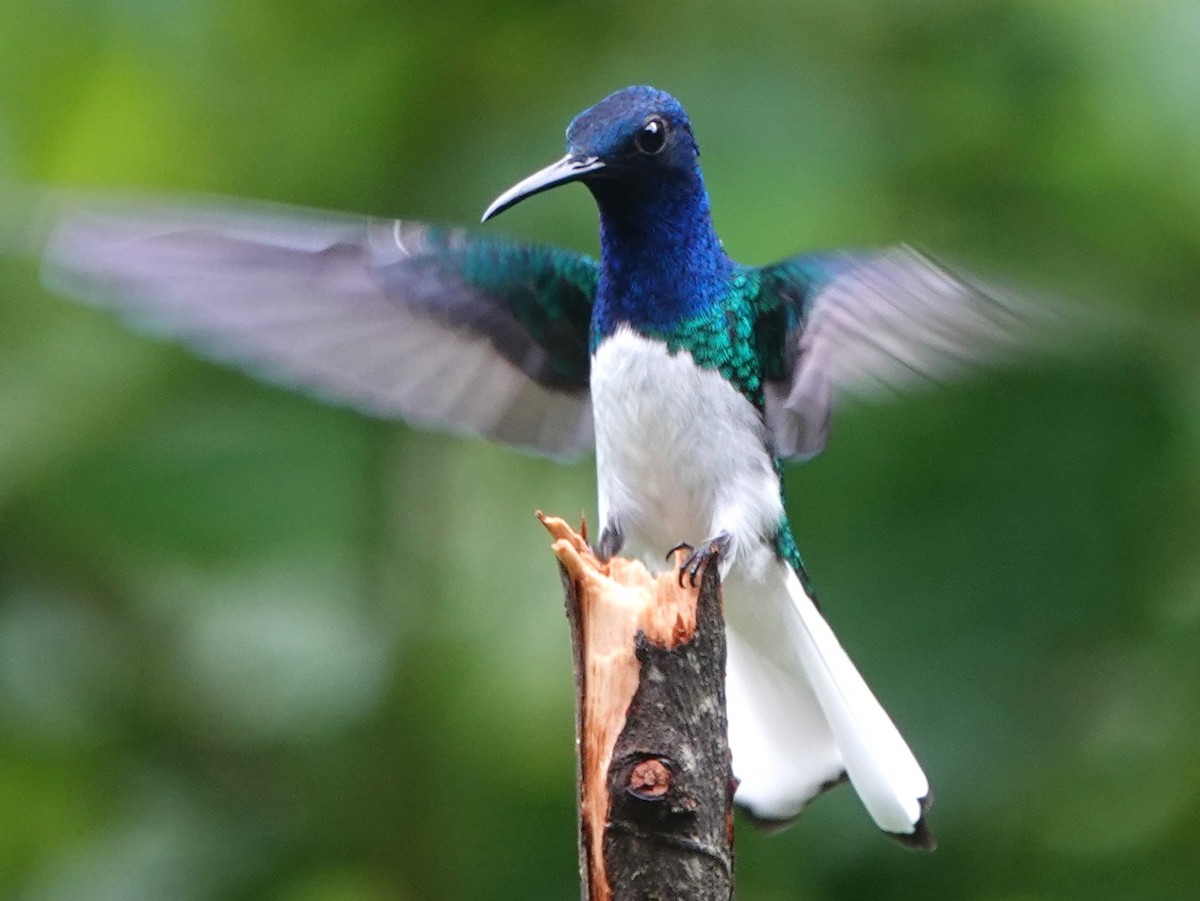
[(691, 376)]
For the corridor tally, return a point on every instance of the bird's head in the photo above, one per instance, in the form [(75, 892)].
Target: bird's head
[(634, 135)]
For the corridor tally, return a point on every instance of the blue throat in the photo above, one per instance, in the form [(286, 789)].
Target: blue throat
[(662, 263)]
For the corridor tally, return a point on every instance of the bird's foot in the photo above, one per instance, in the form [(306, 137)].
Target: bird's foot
[(697, 557), (610, 544)]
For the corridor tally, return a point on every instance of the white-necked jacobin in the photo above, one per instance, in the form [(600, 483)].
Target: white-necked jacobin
[(692, 376)]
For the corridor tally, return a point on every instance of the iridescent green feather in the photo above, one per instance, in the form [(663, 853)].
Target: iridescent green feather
[(722, 336), (548, 291)]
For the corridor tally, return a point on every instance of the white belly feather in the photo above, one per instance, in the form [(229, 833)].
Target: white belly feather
[(680, 453)]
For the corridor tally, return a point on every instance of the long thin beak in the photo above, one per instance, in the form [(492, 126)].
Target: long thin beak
[(569, 168)]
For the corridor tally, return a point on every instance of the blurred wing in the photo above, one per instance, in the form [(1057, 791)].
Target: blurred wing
[(398, 319), (867, 326)]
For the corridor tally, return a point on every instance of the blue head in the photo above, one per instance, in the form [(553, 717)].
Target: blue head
[(635, 151), (641, 134), (630, 143)]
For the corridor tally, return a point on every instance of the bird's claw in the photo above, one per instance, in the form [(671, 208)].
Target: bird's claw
[(696, 559), (682, 546)]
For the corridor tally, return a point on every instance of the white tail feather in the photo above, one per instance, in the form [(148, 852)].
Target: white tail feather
[(878, 761), (801, 717), (783, 752)]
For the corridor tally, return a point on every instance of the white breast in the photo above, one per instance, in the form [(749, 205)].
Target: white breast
[(680, 452)]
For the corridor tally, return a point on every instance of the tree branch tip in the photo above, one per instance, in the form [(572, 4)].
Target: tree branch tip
[(652, 762), (559, 528)]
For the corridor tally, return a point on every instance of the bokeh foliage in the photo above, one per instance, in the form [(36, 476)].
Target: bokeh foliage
[(254, 647)]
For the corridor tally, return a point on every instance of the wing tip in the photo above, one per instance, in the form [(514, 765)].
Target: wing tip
[(770, 824), (921, 838)]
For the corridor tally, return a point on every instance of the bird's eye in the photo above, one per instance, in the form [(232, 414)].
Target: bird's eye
[(651, 137)]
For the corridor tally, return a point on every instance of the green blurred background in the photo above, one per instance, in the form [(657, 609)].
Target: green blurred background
[(255, 647)]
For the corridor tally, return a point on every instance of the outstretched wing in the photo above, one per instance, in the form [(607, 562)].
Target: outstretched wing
[(865, 325), (399, 319)]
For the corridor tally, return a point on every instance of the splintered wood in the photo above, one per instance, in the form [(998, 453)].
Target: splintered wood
[(621, 617)]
